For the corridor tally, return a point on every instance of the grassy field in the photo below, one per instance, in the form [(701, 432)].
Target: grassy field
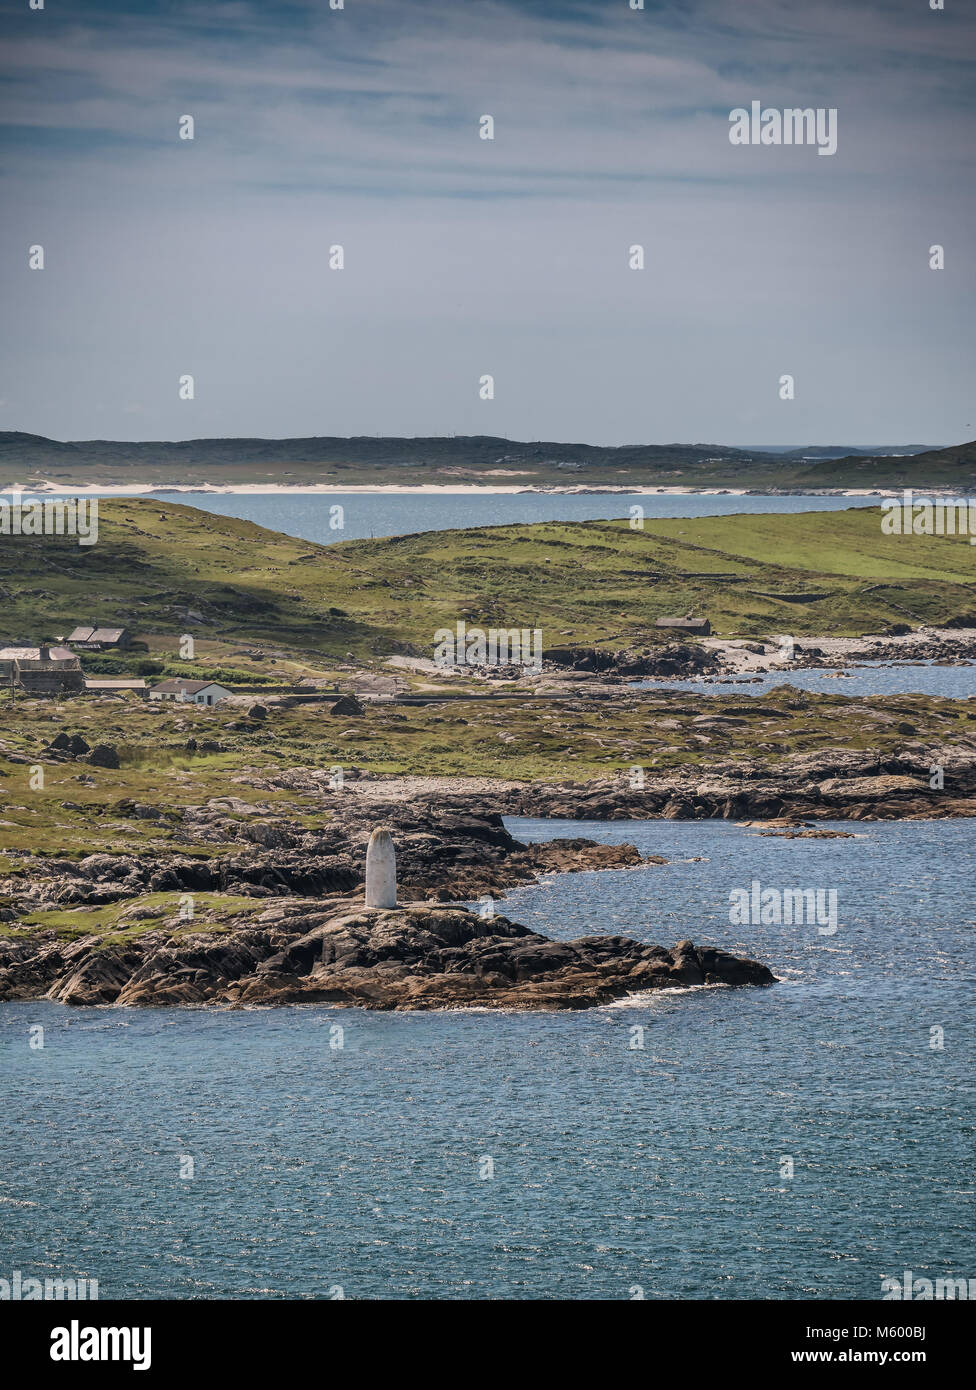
[(164, 569)]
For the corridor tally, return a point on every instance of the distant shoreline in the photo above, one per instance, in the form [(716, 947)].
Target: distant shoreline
[(48, 488)]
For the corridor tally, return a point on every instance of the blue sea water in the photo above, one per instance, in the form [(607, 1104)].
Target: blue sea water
[(366, 514), (615, 1168), (871, 678)]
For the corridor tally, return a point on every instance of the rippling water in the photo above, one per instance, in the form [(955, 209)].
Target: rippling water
[(873, 678), (387, 514), (614, 1167)]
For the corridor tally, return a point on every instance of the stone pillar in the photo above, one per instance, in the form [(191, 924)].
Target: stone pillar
[(381, 870)]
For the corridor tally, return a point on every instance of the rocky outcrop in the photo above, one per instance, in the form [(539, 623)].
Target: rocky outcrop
[(675, 659), (443, 855), (104, 755), (830, 784), (927, 644), (418, 958), (314, 940), (308, 935), (455, 845), (412, 957), (347, 705), (71, 744)]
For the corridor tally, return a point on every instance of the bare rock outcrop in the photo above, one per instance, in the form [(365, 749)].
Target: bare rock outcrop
[(342, 953)]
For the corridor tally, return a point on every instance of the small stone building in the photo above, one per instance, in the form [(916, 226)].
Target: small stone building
[(41, 670), (701, 627), (100, 639)]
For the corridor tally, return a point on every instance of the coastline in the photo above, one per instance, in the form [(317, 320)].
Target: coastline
[(322, 942), (49, 488)]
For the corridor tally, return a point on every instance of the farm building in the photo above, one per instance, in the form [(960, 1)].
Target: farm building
[(41, 670), (98, 639), (701, 627), (191, 692)]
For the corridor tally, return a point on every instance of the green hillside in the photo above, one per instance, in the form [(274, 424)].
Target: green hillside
[(954, 467), (165, 569)]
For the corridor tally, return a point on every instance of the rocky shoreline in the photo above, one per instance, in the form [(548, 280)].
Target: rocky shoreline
[(452, 844), (308, 937), (449, 854), (715, 660), (953, 645), (293, 925), (833, 785), (343, 954), (829, 784)]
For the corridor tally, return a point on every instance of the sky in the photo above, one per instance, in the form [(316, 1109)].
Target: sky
[(466, 257)]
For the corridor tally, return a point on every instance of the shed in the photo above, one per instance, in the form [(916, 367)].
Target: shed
[(701, 627), (96, 638)]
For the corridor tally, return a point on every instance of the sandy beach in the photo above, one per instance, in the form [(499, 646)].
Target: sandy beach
[(430, 490)]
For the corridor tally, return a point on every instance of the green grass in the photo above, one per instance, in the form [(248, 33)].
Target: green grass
[(211, 913), (586, 583), (157, 771)]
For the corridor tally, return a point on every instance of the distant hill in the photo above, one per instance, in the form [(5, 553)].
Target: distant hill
[(951, 467), (475, 450), (839, 451), (470, 459)]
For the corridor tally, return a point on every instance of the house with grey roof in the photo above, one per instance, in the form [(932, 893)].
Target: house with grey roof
[(93, 638)]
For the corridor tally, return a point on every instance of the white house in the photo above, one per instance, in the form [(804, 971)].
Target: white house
[(190, 692)]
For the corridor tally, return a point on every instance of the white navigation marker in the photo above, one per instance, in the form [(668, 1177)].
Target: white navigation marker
[(381, 870)]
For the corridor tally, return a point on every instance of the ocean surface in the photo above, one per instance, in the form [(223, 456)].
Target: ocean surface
[(618, 1170), (873, 678), (365, 514)]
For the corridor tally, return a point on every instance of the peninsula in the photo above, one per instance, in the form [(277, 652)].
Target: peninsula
[(161, 851), (32, 460)]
